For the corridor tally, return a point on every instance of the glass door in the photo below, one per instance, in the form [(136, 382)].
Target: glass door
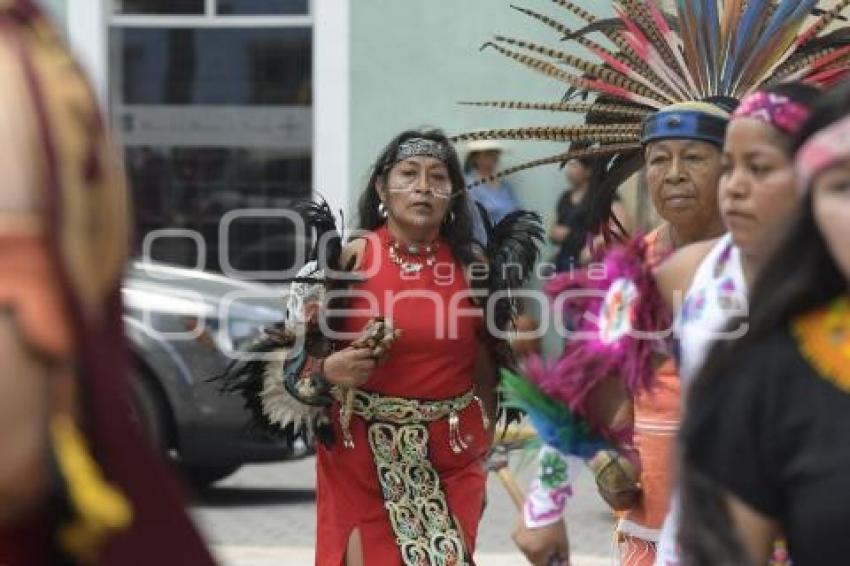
[(212, 101)]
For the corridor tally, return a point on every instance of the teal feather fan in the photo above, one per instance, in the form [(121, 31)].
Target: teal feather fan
[(556, 425)]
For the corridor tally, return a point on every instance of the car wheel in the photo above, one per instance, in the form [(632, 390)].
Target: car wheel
[(205, 476), (149, 411)]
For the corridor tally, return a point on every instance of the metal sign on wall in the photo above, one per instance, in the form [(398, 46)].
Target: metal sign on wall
[(285, 128)]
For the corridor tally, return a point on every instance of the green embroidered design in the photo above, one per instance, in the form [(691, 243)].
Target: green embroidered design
[(553, 471), (419, 514)]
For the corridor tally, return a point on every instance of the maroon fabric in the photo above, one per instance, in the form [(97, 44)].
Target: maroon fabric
[(161, 532), (25, 544)]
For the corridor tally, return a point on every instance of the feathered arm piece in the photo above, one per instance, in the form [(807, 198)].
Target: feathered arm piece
[(267, 375), (319, 217), (611, 458), (513, 247), (279, 375), (623, 319), (512, 250)]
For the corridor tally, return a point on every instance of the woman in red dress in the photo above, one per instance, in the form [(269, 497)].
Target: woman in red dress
[(410, 489), (411, 400)]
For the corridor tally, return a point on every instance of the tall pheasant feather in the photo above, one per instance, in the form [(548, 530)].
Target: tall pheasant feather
[(647, 57)]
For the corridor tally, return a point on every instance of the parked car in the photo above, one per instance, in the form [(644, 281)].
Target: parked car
[(181, 325)]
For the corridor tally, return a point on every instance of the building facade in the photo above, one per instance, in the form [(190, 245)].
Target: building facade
[(246, 104)]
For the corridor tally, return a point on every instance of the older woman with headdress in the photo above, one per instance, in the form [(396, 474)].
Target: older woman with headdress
[(399, 365), (78, 483), (683, 170)]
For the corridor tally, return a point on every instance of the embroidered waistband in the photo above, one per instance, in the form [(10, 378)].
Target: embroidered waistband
[(397, 410)]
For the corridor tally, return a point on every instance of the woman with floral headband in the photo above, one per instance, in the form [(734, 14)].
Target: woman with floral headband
[(403, 375), (767, 422), (757, 197)]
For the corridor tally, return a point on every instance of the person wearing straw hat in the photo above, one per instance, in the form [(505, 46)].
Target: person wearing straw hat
[(495, 196)]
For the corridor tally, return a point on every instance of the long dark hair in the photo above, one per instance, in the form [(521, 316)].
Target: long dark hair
[(799, 277), (457, 232)]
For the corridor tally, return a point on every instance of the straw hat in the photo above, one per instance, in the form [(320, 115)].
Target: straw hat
[(475, 146)]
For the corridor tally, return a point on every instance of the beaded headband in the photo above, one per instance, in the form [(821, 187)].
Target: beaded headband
[(822, 151), (415, 147), (686, 125), (777, 110)]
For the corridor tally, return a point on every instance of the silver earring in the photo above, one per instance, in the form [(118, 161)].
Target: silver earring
[(450, 217), (382, 210)]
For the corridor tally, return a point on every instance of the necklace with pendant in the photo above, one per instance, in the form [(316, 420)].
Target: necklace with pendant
[(413, 258)]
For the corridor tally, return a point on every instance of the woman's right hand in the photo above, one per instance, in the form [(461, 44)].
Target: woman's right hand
[(350, 367)]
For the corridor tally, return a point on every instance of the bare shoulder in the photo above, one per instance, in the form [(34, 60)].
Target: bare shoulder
[(353, 250), (675, 275)]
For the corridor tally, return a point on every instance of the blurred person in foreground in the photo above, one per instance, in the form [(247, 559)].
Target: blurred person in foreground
[(767, 421), (78, 483)]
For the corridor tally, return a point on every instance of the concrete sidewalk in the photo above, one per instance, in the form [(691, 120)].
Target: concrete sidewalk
[(292, 556)]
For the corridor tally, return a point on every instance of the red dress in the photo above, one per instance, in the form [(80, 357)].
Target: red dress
[(428, 362)]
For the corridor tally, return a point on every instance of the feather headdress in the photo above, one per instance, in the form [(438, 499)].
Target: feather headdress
[(649, 59)]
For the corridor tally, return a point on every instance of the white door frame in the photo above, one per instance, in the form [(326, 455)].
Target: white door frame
[(331, 101)]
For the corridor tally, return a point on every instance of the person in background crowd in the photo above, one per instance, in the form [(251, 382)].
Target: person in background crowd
[(569, 231), (496, 196)]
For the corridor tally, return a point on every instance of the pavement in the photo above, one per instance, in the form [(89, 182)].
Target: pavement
[(265, 515)]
